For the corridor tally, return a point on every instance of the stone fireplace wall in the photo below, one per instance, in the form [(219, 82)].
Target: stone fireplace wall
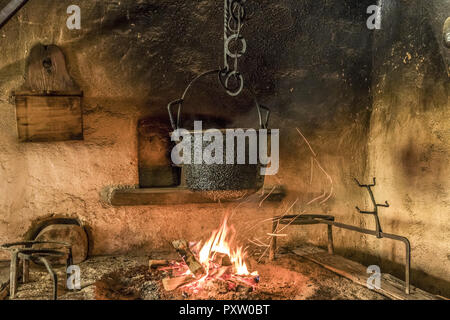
[(409, 147)]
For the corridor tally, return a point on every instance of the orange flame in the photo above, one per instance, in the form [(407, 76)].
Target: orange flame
[(221, 241)]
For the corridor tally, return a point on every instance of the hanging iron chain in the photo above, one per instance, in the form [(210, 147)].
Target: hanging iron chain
[(230, 76)]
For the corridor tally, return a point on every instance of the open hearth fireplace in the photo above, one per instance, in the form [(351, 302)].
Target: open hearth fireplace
[(216, 268), (312, 164)]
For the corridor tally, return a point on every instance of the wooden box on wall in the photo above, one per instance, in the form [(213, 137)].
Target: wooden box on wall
[(49, 104), (49, 117)]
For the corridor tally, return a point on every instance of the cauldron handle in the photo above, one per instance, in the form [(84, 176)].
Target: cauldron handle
[(262, 124), (175, 124)]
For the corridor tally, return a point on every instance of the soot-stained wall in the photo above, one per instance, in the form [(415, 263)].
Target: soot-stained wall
[(309, 61), (409, 148), (407, 145)]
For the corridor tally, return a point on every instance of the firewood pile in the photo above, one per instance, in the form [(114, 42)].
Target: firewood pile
[(189, 273)]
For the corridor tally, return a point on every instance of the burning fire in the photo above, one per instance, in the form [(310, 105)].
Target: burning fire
[(221, 242), (221, 258)]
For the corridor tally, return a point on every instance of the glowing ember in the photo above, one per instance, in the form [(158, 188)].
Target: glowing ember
[(223, 260)]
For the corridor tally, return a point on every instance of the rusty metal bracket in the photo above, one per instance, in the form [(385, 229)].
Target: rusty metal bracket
[(375, 206), (308, 219)]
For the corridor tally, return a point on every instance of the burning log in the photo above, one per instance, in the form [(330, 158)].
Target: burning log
[(153, 264), (226, 269), (236, 286), (171, 284), (183, 250), (222, 259)]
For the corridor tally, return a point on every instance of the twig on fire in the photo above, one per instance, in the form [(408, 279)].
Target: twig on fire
[(272, 218), (260, 242), (268, 195), (277, 234), (329, 179), (307, 142), (266, 250), (288, 224), (318, 198), (256, 244), (314, 160), (234, 210), (271, 237)]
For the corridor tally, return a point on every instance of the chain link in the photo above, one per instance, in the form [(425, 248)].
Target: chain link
[(230, 76)]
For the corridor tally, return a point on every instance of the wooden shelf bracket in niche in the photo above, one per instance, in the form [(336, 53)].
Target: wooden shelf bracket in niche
[(48, 105)]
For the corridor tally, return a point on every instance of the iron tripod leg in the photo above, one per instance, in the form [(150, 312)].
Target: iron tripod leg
[(26, 271), (330, 239), (53, 275), (13, 273)]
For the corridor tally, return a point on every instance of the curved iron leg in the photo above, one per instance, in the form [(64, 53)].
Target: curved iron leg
[(70, 257), (53, 275), (13, 273), (26, 271), (330, 239), (407, 264)]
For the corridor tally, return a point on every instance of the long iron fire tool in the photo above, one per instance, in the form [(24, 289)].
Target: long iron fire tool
[(306, 219)]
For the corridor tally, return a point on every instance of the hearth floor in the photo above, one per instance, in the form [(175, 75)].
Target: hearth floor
[(124, 277)]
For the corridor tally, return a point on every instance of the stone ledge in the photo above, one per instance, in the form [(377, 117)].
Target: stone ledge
[(180, 195)]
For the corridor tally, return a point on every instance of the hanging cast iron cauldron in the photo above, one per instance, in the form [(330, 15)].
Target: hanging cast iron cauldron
[(221, 177), (225, 178)]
